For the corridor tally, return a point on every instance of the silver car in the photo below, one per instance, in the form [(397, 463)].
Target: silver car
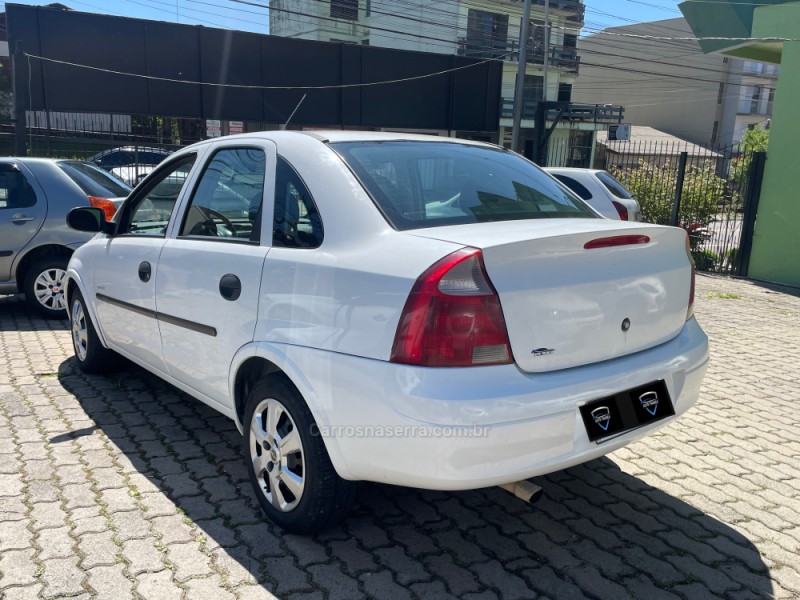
[(35, 243)]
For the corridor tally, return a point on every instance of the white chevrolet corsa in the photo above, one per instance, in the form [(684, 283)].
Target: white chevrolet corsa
[(411, 310)]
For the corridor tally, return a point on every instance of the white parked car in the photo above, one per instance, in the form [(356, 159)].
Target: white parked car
[(404, 309), (601, 190)]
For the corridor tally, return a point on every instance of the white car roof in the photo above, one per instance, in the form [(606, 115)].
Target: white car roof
[(335, 135)]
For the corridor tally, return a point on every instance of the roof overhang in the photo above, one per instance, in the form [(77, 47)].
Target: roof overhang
[(769, 20)]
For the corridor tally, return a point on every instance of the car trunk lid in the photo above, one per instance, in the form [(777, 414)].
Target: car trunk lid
[(570, 296)]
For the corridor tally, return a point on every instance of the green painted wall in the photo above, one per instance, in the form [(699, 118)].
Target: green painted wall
[(776, 244)]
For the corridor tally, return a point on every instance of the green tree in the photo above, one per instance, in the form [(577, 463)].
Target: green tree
[(754, 140)]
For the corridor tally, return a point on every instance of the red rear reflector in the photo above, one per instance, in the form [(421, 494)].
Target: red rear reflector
[(617, 240), (104, 204)]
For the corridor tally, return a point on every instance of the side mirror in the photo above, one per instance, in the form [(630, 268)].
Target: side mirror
[(89, 219)]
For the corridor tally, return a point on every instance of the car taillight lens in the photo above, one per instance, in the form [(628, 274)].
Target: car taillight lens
[(104, 204), (690, 310), (453, 317), (621, 210)]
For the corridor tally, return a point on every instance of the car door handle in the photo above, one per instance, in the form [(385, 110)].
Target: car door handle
[(145, 271), (20, 218), (230, 287)]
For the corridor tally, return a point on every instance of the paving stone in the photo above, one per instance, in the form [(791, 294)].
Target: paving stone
[(158, 586), (32, 592), (17, 567), (707, 507), (142, 555), (110, 582), (239, 566), (14, 535), (172, 529), (405, 569), (62, 577), (381, 585), (256, 592), (459, 580), (333, 580), (188, 560), (55, 543), (98, 549), (47, 515), (288, 577), (207, 589)]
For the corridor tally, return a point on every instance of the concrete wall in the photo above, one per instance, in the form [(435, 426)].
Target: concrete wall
[(680, 97)]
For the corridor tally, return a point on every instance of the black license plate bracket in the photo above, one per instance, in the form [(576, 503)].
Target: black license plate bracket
[(627, 410)]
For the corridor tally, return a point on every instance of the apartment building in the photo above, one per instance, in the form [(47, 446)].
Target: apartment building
[(668, 83), (476, 29)]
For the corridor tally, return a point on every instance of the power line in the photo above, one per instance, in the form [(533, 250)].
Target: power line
[(261, 87)]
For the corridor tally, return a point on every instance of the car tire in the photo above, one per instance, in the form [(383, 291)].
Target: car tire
[(44, 287), (277, 419), (90, 354)]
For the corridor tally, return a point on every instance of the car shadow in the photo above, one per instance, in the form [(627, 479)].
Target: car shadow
[(16, 315), (597, 532)]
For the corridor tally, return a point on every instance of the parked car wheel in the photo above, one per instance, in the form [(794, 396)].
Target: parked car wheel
[(44, 287), (92, 357), (292, 475)]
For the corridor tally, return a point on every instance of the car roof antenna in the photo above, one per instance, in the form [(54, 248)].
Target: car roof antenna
[(294, 111)]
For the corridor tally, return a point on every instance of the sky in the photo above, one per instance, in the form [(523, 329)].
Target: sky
[(233, 15)]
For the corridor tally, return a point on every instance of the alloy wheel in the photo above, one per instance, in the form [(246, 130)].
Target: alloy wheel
[(80, 334), (277, 454), (49, 289)]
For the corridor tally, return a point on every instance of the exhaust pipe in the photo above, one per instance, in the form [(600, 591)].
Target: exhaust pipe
[(524, 490)]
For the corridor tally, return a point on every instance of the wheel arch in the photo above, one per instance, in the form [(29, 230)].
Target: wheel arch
[(74, 282), (35, 254), (257, 360)]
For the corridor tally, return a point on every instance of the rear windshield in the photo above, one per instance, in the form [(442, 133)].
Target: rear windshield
[(94, 181), (430, 184), (613, 186)]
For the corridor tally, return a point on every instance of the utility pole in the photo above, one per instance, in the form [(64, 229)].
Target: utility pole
[(520, 87), (20, 75), (546, 48)]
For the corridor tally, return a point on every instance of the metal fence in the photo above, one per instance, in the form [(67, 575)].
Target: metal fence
[(712, 193)]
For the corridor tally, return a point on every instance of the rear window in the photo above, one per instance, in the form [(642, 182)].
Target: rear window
[(613, 186), (94, 181), (431, 184), (575, 186)]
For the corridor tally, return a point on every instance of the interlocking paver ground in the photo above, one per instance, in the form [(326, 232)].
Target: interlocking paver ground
[(122, 487)]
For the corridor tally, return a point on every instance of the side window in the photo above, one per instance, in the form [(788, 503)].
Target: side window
[(151, 211), (296, 222), (575, 186), (227, 200), (15, 191)]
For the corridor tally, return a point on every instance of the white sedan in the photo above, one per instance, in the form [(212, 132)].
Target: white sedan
[(405, 309)]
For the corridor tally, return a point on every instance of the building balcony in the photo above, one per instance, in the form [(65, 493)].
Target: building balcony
[(575, 113), (570, 6), (560, 57)]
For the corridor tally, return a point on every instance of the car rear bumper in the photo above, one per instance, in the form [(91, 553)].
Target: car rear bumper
[(475, 427)]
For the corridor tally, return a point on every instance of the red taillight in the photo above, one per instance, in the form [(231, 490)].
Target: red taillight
[(617, 240), (104, 204), (621, 210), (453, 317), (690, 310)]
